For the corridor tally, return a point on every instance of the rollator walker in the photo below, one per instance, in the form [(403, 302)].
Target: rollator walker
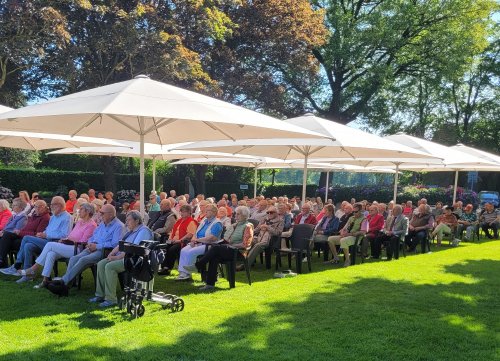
[(141, 263)]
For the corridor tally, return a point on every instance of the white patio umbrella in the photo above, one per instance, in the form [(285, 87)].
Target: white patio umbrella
[(4, 109), (452, 160), (489, 157), (146, 111), (349, 143), (246, 162), (151, 151), (40, 141), (275, 163)]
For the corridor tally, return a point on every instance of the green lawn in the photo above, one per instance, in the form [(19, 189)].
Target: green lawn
[(439, 306)]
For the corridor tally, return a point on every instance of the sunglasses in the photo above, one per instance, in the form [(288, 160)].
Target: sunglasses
[(271, 212)]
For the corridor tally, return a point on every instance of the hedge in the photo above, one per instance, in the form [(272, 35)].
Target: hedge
[(407, 193), (50, 180)]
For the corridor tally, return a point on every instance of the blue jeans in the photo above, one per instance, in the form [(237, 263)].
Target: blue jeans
[(30, 245)]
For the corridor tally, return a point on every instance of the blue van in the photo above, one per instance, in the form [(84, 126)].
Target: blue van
[(489, 197)]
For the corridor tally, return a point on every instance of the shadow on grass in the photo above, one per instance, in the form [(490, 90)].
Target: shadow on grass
[(369, 319)]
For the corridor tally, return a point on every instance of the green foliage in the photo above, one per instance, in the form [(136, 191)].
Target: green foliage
[(50, 180), (447, 298), (405, 193), (19, 157)]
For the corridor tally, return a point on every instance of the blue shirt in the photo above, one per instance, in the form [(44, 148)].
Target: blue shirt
[(216, 229), (59, 226), (107, 235), (142, 233), (16, 222)]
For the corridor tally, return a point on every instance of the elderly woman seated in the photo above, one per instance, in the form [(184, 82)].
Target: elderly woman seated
[(182, 232), (64, 248), (208, 232), (5, 213), (238, 236), (109, 267), (223, 218), (446, 224)]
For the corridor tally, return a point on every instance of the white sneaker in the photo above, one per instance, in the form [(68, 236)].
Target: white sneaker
[(10, 271), (191, 268)]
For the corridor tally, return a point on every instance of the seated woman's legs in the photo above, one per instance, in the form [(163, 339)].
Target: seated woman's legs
[(111, 271), (173, 252), (215, 255), (8, 242)]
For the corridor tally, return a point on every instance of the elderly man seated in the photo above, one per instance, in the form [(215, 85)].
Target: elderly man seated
[(304, 217), (420, 223), (467, 221), (260, 213), (106, 235), (163, 221), (208, 232), (357, 225), (489, 219), (271, 225), (396, 227), (59, 226)]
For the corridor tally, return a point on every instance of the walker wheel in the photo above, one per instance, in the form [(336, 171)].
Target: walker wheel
[(121, 303), (177, 305), (140, 310)]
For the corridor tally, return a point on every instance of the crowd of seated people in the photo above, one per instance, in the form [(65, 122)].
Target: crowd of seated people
[(203, 232)]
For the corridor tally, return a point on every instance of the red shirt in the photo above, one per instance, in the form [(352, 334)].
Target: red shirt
[(310, 219), (375, 223), (70, 205), (5, 216)]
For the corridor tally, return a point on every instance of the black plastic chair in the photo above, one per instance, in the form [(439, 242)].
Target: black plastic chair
[(299, 245), (231, 268)]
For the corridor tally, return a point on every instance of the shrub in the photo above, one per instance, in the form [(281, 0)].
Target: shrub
[(6, 193), (407, 193), (124, 195)]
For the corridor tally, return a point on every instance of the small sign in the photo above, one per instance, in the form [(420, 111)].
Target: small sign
[(243, 186)]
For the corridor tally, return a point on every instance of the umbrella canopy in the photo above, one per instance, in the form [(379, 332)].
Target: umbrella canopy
[(274, 163), (162, 113), (146, 111), (347, 143), (490, 157), (151, 151), (4, 109), (40, 141), (451, 159)]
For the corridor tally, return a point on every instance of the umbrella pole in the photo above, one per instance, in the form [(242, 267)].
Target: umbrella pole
[(396, 177), (455, 187), (154, 172), (255, 183), (326, 187), (141, 176), (304, 180)]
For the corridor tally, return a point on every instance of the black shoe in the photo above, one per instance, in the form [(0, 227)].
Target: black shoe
[(164, 272), (58, 288)]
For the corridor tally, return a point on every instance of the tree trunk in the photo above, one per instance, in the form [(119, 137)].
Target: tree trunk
[(322, 180), (200, 172), (273, 173), (108, 167)]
